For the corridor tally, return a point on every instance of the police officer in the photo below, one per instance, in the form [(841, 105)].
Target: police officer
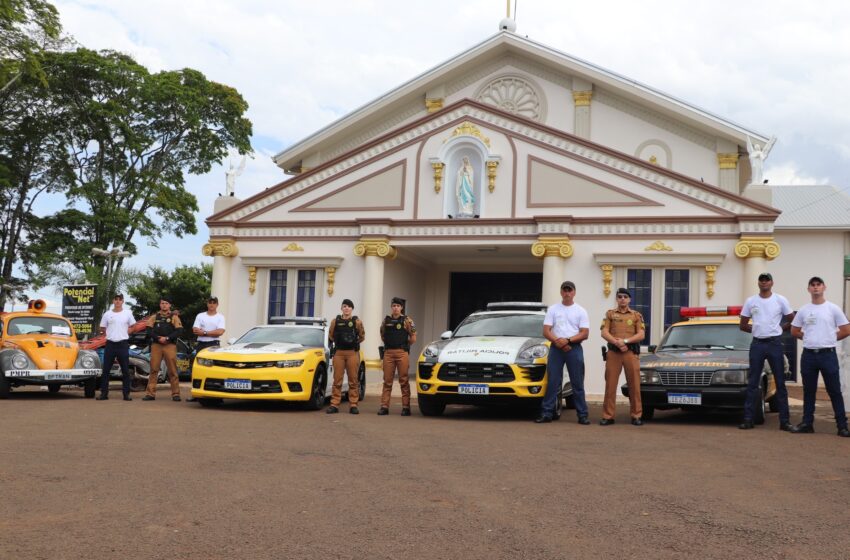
[(164, 328), (768, 311), (623, 329), (398, 332), (346, 331)]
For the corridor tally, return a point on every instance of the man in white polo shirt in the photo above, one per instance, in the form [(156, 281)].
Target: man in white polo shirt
[(768, 312), (208, 327), (820, 325), (116, 324)]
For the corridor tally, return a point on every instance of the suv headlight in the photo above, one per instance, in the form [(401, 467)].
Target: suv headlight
[(431, 352), (206, 362), (729, 377), (534, 352), (649, 377), (87, 360), (289, 363), (20, 361)]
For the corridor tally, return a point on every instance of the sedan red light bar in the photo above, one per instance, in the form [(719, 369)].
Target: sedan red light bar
[(727, 311)]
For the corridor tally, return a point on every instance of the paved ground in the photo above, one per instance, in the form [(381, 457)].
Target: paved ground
[(86, 479)]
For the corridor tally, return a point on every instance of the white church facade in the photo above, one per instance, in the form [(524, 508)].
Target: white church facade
[(496, 176)]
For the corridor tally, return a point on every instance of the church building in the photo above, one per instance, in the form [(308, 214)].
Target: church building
[(499, 174)]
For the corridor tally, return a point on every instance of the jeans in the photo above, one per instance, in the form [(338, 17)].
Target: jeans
[(770, 350), (827, 364), (121, 351), (574, 360)]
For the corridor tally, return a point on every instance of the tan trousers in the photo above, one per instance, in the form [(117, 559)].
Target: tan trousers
[(618, 361), (346, 362), (157, 353), (396, 359)]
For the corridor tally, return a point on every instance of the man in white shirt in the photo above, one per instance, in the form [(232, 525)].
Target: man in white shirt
[(820, 325), (768, 312), (566, 325), (208, 327), (116, 324)]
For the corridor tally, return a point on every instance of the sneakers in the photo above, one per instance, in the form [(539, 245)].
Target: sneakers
[(746, 425), (786, 427), (843, 432), (803, 428), (542, 419), (331, 410), (583, 420)]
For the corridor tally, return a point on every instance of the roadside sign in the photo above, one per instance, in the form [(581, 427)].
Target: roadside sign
[(78, 306)]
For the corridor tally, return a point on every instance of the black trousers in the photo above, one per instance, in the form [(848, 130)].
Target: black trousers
[(116, 351)]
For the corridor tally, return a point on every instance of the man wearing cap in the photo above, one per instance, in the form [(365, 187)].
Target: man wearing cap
[(164, 328), (115, 324), (566, 325), (623, 328), (820, 325), (346, 332), (768, 312), (398, 332), (208, 328)]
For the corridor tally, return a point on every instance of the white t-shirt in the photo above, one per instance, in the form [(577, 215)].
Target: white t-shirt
[(116, 324), (767, 314), (207, 322), (566, 320), (819, 323)]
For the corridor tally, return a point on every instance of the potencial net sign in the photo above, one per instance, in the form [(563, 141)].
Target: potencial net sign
[(78, 307)]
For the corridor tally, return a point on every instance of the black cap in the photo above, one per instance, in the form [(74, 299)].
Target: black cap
[(816, 280), (624, 291), (765, 276), (398, 300), (568, 284), (348, 302), (212, 299)]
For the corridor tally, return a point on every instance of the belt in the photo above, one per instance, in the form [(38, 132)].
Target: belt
[(767, 339), (117, 341), (829, 350)]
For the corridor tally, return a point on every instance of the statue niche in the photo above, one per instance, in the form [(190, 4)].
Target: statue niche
[(466, 176)]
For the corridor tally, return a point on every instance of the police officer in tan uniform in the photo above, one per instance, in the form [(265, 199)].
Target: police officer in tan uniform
[(164, 328), (623, 329), (347, 333), (398, 332)]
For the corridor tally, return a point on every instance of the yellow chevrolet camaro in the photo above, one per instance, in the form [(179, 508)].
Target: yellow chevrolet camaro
[(289, 360)]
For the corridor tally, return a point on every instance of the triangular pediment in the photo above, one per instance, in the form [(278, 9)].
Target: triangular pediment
[(380, 190)]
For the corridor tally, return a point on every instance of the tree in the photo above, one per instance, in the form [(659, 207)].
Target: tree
[(188, 286), (131, 136), (26, 27)]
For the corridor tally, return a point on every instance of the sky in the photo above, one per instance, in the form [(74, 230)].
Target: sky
[(776, 67)]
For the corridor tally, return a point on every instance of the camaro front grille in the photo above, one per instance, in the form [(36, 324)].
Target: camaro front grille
[(257, 386), (685, 377), (482, 373), (242, 365)]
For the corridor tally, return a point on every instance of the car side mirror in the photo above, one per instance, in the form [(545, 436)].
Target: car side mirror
[(446, 335), (231, 340), (652, 348)]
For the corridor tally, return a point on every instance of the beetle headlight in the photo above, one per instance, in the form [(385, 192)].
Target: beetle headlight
[(729, 377), (206, 362), (432, 352), (649, 377), (87, 360), (534, 352), (20, 361), (289, 363)]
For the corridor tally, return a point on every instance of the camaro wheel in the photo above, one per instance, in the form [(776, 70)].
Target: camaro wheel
[(317, 395), (429, 406)]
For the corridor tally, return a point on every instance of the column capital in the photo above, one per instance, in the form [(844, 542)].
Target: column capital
[(582, 98), (728, 161), (750, 247), (552, 247), (220, 248), (375, 248)]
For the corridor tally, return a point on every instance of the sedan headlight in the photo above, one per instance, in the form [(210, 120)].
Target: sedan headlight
[(649, 377), (88, 361), (206, 362), (432, 352), (289, 363), (534, 352), (20, 361), (729, 377)]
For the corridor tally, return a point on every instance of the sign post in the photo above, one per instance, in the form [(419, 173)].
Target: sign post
[(78, 306)]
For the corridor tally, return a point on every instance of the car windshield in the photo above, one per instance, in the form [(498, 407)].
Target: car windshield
[(706, 336), (39, 325), (305, 336), (502, 324)]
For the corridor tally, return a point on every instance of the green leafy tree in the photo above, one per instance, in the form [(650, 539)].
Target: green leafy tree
[(188, 286), (26, 28)]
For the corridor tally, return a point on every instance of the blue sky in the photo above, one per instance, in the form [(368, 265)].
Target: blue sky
[(767, 65)]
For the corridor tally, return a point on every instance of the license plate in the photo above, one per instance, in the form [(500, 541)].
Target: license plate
[(684, 398), (61, 375), (467, 389), (240, 384)]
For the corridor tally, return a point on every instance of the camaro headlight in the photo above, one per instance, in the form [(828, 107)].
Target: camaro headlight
[(206, 362), (534, 352), (729, 377), (649, 377), (432, 352), (20, 361), (88, 361), (289, 363)]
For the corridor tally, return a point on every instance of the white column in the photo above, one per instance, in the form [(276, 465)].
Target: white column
[(222, 253), (554, 251), (374, 251), (756, 252)]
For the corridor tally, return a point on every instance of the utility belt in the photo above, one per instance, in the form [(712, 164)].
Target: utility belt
[(634, 347)]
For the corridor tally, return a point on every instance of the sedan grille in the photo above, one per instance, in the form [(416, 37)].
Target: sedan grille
[(486, 373), (680, 378)]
